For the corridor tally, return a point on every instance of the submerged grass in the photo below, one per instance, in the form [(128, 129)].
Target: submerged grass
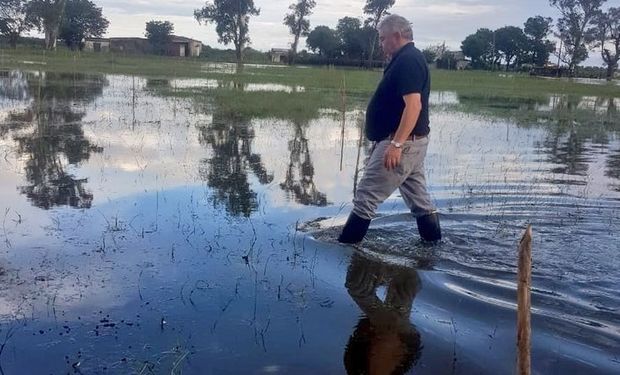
[(241, 104)]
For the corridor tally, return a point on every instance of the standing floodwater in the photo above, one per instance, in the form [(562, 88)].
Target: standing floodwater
[(150, 226)]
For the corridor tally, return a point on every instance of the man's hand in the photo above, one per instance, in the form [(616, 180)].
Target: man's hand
[(391, 158)]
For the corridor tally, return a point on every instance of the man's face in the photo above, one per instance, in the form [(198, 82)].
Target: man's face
[(389, 42)]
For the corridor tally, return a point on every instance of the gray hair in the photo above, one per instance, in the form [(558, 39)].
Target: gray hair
[(396, 24)]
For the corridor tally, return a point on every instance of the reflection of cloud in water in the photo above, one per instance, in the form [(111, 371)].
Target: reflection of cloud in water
[(231, 68), (194, 83), (201, 83)]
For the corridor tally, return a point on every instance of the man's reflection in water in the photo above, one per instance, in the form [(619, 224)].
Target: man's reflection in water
[(384, 341)]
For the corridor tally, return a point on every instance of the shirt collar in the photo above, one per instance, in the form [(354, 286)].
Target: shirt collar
[(406, 46)]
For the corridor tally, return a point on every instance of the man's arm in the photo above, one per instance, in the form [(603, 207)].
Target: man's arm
[(413, 107)]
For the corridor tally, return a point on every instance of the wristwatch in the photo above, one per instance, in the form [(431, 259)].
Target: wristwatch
[(396, 144)]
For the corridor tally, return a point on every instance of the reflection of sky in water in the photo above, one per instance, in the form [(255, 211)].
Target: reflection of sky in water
[(194, 83), (150, 142), (586, 81), (443, 98), (167, 227), (594, 81), (273, 87), (213, 84)]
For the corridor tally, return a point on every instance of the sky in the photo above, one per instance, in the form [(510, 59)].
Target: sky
[(434, 21)]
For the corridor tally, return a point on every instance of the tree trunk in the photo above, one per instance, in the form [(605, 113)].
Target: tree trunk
[(611, 68), (293, 54), (52, 26), (239, 56), (48, 39), (373, 42), (371, 51), (571, 68), (13, 38)]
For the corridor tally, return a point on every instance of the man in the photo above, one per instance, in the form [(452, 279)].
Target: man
[(398, 123)]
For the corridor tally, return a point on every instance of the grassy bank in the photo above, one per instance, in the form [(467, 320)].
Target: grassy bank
[(357, 82)]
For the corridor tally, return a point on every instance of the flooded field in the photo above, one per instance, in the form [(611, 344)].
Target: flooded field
[(148, 226)]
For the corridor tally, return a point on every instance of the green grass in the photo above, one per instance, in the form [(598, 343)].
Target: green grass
[(509, 84), (357, 82)]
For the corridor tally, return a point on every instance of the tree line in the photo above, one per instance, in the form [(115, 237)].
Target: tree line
[(68, 20), (583, 26), (351, 39)]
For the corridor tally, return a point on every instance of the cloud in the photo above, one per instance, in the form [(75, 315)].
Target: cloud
[(460, 9)]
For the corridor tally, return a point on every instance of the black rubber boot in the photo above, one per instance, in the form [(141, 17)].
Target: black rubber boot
[(354, 230), (429, 228)]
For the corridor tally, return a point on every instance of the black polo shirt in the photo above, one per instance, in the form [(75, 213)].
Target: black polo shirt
[(406, 73)]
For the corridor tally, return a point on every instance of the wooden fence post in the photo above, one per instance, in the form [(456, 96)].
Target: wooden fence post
[(524, 303)]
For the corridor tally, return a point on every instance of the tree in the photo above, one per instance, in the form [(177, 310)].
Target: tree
[(480, 48), (83, 19), (14, 20), (576, 28), (324, 40), (430, 55), (608, 35), (509, 41), (232, 18), (376, 10), (158, 33), (349, 30), (46, 16), (447, 60), (372, 52), (538, 46), (297, 22)]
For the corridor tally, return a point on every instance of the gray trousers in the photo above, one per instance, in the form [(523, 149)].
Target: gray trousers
[(378, 183)]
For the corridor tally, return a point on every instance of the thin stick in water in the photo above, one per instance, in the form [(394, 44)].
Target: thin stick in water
[(343, 96)]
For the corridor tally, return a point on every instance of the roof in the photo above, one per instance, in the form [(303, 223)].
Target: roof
[(173, 39), (280, 50), (182, 39), (128, 38)]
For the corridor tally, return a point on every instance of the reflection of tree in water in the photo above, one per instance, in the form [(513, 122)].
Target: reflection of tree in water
[(571, 130), (299, 180), (576, 126), (13, 85), (568, 152), (13, 88), (612, 167), (384, 340), (49, 137), (613, 160), (227, 170)]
